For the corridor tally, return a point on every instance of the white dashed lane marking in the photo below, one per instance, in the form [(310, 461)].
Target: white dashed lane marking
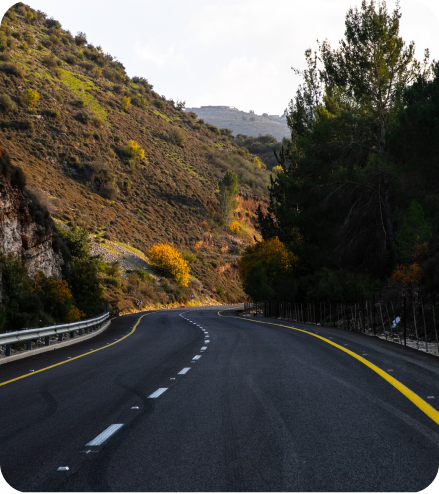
[(183, 371), (196, 357), (109, 431), (157, 393)]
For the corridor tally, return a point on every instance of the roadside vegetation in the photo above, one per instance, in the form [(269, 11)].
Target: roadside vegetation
[(355, 197)]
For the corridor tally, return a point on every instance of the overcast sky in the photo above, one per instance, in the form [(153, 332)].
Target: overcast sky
[(224, 52)]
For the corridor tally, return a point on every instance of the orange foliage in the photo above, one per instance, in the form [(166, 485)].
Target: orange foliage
[(409, 276), (168, 259), (277, 259), (235, 227), (74, 314), (420, 250), (57, 287), (57, 291)]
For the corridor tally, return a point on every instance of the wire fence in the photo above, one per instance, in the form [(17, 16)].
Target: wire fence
[(408, 320)]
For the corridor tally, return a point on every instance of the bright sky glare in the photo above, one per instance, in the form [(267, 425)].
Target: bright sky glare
[(224, 52)]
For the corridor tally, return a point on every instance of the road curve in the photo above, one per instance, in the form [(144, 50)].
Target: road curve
[(193, 400)]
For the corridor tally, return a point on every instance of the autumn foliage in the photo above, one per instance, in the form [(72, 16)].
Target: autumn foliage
[(57, 298), (409, 276), (134, 150), (169, 260), (235, 227), (31, 97), (263, 266)]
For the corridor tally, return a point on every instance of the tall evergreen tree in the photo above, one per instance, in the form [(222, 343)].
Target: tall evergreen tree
[(334, 203)]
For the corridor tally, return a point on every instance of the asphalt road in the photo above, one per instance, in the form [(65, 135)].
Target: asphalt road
[(193, 401)]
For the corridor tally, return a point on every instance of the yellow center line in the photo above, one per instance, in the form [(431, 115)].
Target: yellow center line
[(79, 356), (408, 393)]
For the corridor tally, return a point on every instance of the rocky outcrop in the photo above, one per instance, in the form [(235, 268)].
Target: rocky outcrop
[(250, 124), (24, 234)]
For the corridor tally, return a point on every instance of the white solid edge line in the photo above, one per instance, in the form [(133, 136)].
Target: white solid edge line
[(183, 371), (157, 393), (109, 431)]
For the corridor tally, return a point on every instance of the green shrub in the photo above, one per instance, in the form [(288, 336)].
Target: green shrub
[(49, 61), (52, 24), (213, 129), (110, 280), (27, 124), (81, 39), (139, 101), (177, 136), (114, 269), (22, 307), (142, 275), (71, 59), (12, 69), (10, 14), (114, 75), (158, 103), (188, 256), (25, 47), (97, 121), (66, 40), (52, 113), (83, 117), (108, 190), (3, 41), (79, 103), (6, 104), (30, 40)]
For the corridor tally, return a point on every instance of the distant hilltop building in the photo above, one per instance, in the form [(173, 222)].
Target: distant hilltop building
[(250, 124)]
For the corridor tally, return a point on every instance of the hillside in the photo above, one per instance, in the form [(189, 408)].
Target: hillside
[(242, 122), (68, 114)]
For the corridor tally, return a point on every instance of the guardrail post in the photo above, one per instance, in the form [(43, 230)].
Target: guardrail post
[(80, 332), (29, 344), (405, 321), (47, 340), (72, 334), (374, 316), (60, 336), (8, 350)]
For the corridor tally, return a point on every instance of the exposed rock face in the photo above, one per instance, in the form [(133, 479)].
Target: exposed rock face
[(242, 122), (20, 234)]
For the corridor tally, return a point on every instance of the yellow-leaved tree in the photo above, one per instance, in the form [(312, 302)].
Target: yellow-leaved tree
[(264, 267), (133, 150), (169, 260)]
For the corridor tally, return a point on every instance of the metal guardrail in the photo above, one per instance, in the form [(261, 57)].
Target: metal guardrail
[(32, 334)]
